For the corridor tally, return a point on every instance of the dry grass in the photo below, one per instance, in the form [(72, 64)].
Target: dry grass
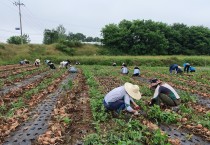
[(88, 54), (87, 49), (10, 53)]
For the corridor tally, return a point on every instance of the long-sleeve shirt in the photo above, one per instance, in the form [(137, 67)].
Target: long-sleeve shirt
[(47, 61), (166, 89), (173, 67), (136, 71), (185, 64), (192, 68), (22, 62), (119, 94), (124, 70), (63, 63)]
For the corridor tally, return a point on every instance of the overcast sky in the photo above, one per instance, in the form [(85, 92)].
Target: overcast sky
[(90, 16)]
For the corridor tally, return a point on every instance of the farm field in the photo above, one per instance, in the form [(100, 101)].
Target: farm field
[(43, 106)]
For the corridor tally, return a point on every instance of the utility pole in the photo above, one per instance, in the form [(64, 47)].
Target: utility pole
[(21, 30)]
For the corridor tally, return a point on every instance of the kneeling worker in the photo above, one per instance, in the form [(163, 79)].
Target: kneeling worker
[(164, 93), (136, 71)]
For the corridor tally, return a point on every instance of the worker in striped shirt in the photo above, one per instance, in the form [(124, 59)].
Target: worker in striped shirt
[(164, 93)]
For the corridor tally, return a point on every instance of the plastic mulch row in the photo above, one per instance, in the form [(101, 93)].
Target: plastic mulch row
[(38, 125)]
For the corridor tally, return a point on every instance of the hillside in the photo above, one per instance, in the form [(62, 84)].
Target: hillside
[(10, 54), (89, 54)]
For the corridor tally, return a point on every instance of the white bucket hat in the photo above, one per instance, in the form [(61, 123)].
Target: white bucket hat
[(37, 60), (132, 90)]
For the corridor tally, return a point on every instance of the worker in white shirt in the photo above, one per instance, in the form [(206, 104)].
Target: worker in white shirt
[(164, 93), (136, 71), (120, 98), (124, 69)]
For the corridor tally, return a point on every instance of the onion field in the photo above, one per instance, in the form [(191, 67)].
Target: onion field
[(40, 106)]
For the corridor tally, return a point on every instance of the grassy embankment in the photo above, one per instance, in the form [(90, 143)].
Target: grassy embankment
[(89, 54), (11, 54)]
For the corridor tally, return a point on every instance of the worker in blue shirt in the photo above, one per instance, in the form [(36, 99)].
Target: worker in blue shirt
[(186, 67), (192, 69), (176, 68)]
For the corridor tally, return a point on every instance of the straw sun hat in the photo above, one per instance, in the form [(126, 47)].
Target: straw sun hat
[(133, 90)]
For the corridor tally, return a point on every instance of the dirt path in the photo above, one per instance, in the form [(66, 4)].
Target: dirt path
[(81, 113), (71, 119)]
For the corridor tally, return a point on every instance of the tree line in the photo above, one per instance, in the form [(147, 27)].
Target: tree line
[(59, 35), (146, 37), (137, 37), (56, 35)]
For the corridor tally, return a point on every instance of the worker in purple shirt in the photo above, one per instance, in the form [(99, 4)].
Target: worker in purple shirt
[(164, 93), (120, 98)]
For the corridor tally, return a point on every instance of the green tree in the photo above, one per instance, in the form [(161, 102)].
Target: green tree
[(111, 35), (199, 42), (17, 39), (143, 37), (50, 36), (89, 39), (76, 37), (61, 33), (96, 39), (79, 37), (137, 37)]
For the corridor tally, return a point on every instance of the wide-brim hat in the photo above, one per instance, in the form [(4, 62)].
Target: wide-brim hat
[(132, 90), (37, 60)]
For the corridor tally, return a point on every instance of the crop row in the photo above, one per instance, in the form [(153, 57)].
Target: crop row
[(187, 85), (14, 67), (190, 115), (72, 117), (198, 123), (125, 129), (19, 110), (20, 76), (79, 116)]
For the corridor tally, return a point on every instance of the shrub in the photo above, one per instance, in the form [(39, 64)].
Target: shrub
[(60, 46), (2, 46), (66, 49), (71, 43)]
